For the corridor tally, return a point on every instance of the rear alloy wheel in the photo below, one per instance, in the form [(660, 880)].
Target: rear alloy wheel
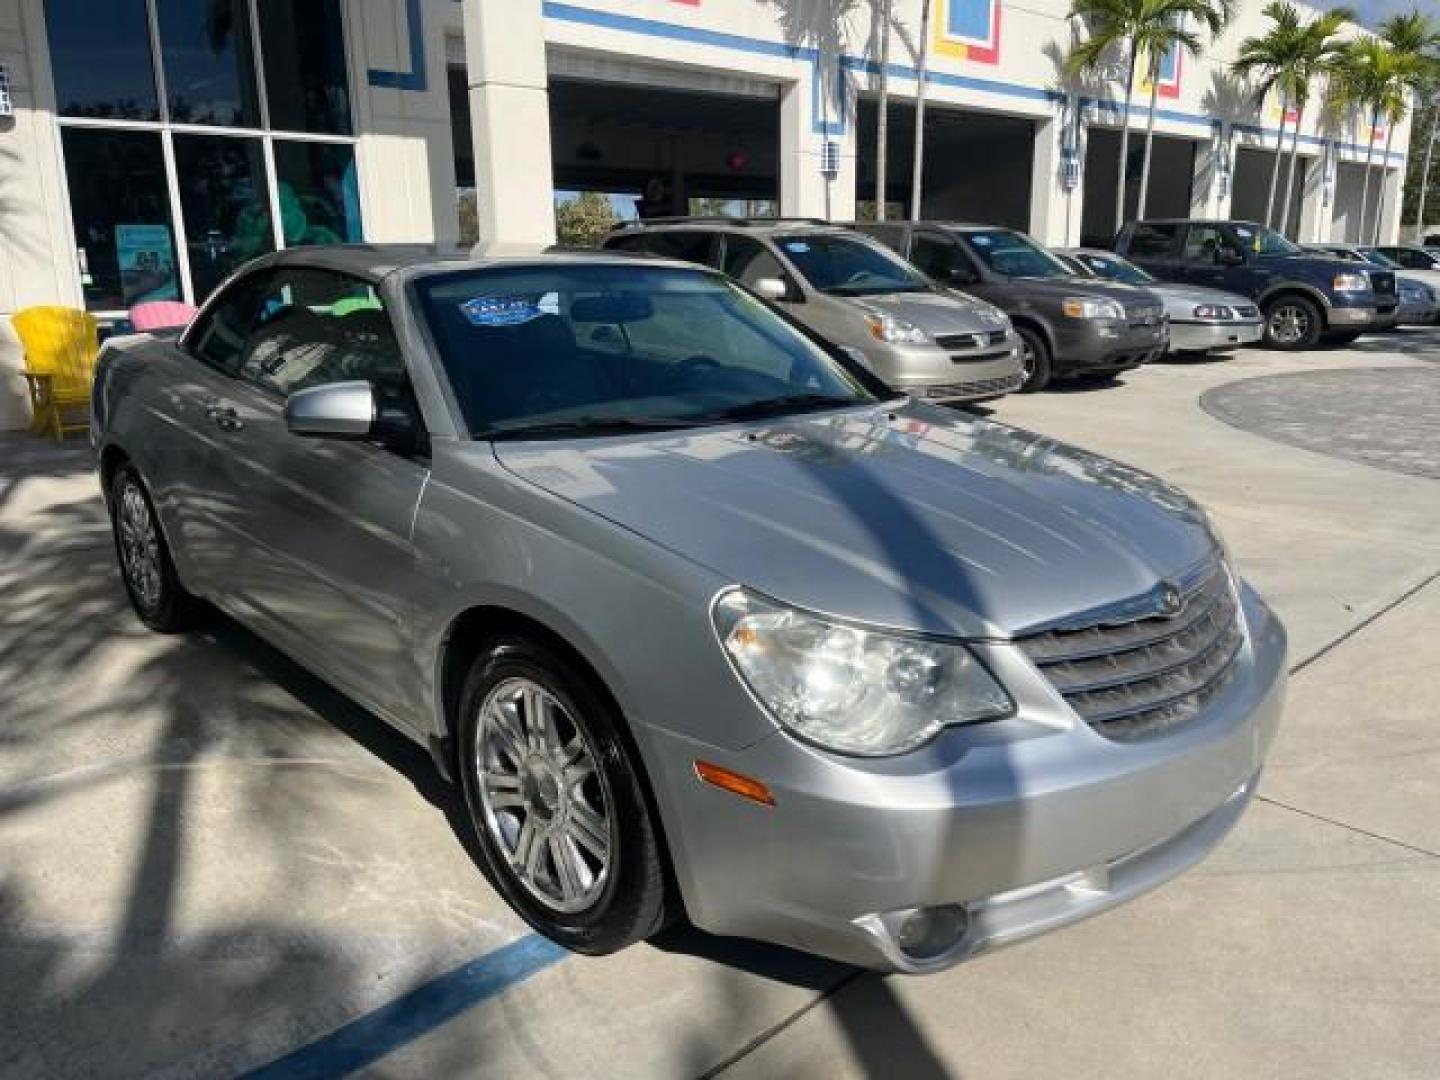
[(1292, 322), (1034, 360), (556, 802), (145, 563)]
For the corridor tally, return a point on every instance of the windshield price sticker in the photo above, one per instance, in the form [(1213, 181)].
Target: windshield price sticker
[(799, 247), (499, 310), (982, 241)]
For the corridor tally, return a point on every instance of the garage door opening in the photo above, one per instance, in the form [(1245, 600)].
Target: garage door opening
[(977, 165), (1172, 172), (1253, 167), (656, 151), (1345, 214)]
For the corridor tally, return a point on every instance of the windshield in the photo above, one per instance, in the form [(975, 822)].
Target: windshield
[(1265, 241), (599, 349), (1013, 254), (850, 266), (1114, 268)]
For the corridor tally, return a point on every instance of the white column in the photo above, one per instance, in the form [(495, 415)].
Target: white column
[(1054, 208), (805, 191), (510, 120), (1211, 184), (1394, 194)]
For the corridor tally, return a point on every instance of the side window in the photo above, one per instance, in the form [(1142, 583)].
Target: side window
[(1203, 241), (938, 256), (632, 242), (1409, 259), (747, 260), (317, 326), (1152, 240), (219, 336), (695, 247)]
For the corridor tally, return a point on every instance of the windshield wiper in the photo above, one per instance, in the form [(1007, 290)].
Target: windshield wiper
[(587, 425), (778, 406)]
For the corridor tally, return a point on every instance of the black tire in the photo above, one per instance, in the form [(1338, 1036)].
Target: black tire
[(1293, 323), (1343, 337), (159, 599), (1035, 356), (631, 902)]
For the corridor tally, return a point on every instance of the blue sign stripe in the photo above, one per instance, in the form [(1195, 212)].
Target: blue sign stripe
[(414, 79), (368, 1038)]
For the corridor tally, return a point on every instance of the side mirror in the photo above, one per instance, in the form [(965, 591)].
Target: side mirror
[(344, 410), (352, 410), (1228, 257), (963, 275), (772, 288)]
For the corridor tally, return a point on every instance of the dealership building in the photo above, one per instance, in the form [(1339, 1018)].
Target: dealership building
[(147, 147)]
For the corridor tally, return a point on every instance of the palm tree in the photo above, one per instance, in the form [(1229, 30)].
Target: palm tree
[(1320, 51), (1434, 98), (1276, 57), (1370, 75), (1140, 27), (1414, 40), (882, 123)]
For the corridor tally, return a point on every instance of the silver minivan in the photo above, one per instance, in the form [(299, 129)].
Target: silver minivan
[(919, 336)]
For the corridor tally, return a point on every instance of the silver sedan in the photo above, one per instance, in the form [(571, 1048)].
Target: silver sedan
[(1202, 320), (703, 619)]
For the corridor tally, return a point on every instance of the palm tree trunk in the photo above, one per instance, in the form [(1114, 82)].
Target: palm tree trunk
[(1124, 143), (1425, 176), (1290, 172), (883, 121), (1384, 176), (1149, 138), (1275, 166), (1365, 185), (917, 166)]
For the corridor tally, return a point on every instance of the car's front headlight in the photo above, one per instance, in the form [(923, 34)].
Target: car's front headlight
[(1213, 311), (1079, 307), (1351, 283), (895, 331), (849, 689)]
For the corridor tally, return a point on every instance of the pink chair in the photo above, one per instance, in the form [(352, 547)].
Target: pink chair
[(161, 315)]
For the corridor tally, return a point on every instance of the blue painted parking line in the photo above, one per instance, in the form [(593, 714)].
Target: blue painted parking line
[(370, 1037)]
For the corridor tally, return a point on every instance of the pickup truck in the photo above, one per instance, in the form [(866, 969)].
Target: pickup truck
[(1304, 298)]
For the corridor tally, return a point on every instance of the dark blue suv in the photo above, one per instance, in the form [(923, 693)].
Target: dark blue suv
[(1305, 298)]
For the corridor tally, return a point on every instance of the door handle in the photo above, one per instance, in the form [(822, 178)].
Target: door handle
[(224, 417)]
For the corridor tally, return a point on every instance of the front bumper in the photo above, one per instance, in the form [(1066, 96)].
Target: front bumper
[(1369, 316), (935, 374), (1029, 823), (1097, 345), (1209, 336)]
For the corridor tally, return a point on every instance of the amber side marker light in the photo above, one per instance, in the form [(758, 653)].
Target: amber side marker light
[(734, 782)]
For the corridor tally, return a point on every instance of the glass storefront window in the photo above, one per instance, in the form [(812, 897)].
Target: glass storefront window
[(101, 60), (225, 204), (319, 194), (305, 79), (209, 67), (125, 242)]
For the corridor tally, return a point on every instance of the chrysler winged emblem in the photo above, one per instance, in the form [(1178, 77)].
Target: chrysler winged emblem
[(1170, 599)]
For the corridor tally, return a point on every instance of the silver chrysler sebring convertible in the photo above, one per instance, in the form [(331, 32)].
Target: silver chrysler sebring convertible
[(705, 621)]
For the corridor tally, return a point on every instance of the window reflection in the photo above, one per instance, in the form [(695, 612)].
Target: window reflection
[(225, 205), (319, 193), (305, 80), (121, 211), (209, 69), (100, 57)]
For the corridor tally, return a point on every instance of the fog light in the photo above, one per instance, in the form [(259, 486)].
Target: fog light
[(928, 932)]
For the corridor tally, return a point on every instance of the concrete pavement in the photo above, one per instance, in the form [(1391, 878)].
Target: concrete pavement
[(210, 859)]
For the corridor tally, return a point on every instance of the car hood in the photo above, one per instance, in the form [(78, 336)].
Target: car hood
[(919, 518), (941, 312), (1178, 297), (1058, 288)]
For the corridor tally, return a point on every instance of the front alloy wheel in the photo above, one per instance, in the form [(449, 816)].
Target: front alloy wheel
[(545, 803), (1292, 322), (556, 800)]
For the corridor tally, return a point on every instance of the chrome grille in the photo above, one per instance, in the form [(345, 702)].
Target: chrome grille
[(980, 340), (1136, 678), (1383, 282)]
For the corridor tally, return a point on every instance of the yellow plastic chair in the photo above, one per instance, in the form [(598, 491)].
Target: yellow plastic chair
[(60, 345)]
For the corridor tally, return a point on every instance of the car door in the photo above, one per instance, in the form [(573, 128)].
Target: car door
[(1208, 257), (943, 257), (191, 479), (327, 523)]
